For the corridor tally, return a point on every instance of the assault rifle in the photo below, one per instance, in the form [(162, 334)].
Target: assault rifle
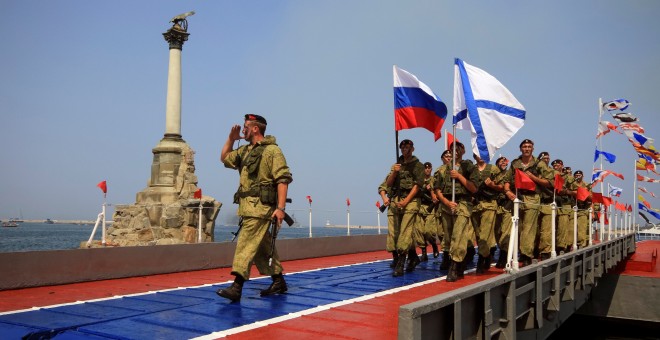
[(287, 219)]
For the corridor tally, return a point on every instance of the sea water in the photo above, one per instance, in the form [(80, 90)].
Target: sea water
[(41, 236)]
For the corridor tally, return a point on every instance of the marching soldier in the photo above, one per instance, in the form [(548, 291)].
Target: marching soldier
[(405, 179), (456, 214), (541, 174)]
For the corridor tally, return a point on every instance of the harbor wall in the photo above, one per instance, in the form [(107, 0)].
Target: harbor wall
[(43, 268)]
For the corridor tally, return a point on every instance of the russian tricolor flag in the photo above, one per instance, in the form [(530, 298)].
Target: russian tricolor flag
[(415, 104)]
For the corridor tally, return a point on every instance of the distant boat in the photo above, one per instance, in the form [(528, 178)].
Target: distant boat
[(49, 221), (327, 223), (10, 224)]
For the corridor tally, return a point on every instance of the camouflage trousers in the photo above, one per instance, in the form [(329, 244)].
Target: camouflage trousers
[(528, 224), (401, 225), (254, 246), (583, 228), (483, 222), (442, 232), (426, 229), (457, 226), (545, 229), (565, 226)]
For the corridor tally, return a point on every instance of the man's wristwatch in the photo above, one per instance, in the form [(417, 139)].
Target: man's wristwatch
[(283, 209)]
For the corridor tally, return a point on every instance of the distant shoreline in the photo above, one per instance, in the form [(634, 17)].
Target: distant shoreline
[(65, 221), (354, 226)]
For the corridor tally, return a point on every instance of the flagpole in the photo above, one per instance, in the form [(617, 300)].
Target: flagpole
[(453, 164), (348, 220), (103, 224), (635, 211), (310, 218), (396, 145), (199, 223), (378, 215)]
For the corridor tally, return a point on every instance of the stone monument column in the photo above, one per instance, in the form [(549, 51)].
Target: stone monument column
[(175, 36), (167, 211)]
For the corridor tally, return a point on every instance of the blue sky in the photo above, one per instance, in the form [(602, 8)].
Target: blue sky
[(83, 88)]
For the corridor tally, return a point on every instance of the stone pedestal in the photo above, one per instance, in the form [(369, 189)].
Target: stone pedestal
[(165, 212)]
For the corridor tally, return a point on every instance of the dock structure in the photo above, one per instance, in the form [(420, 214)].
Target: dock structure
[(339, 287)]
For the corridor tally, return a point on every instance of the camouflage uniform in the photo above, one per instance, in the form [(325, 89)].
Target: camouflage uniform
[(404, 220), (456, 224), (583, 215), (503, 221), (483, 215), (257, 200), (392, 228), (442, 232), (427, 221), (544, 233), (529, 210), (565, 215)]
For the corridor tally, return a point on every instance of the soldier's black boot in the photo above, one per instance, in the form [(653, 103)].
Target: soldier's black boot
[(452, 275), (425, 256), (469, 256), (488, 260), (460, 268), (435, 249), (525, 260), (446, 261), (277, 287), (480, 264), (398, 269), (234, 291), (501, 261), (413, 260), (395, 258)]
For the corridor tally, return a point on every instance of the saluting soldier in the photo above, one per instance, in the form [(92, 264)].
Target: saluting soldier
[(261, 197), (456, 214), (541, 174), (405, 179)]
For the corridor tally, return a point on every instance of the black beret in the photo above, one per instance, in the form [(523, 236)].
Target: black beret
[(406, 142), (255, 118), (557, 161), (526, 141)]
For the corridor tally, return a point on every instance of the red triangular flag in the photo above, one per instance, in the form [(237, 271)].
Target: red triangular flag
[(629, 207), (103, 186), (523, 181), (309, 198), (582, 194), (450, 139), (607, 201), (198, 193), (378, 204), (559, 182), (348, 202)]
